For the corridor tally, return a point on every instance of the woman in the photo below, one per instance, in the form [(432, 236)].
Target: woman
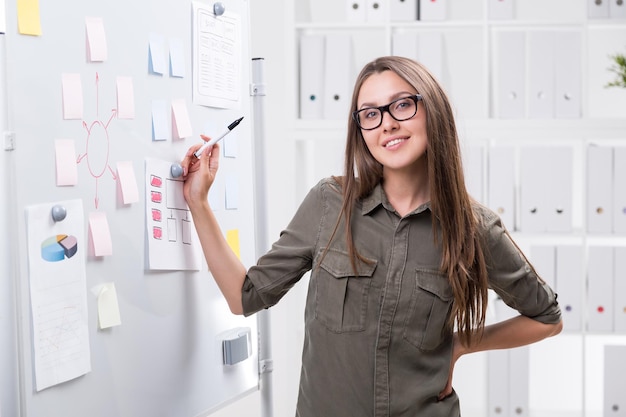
[(400, 258)]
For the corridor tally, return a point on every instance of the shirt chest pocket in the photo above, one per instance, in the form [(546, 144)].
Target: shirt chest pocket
[(431, 303), (341, 296)]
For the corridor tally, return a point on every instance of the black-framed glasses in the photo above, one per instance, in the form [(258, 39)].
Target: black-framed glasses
[(401, 109)]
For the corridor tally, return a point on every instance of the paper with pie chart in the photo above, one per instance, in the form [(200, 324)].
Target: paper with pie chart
[(57, 278)]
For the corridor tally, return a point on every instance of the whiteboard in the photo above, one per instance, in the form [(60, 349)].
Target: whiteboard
[(165, 359)]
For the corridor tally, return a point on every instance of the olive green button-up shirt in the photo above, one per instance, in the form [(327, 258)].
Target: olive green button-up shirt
[(376, 344)]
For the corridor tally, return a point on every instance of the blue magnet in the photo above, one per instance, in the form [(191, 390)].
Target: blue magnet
[(58, 213), (176, 170)]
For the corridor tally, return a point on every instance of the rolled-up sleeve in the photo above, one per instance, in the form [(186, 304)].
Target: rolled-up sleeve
[(514, 279), (290, 257)]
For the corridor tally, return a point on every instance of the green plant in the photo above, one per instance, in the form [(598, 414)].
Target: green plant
[(619, 68)]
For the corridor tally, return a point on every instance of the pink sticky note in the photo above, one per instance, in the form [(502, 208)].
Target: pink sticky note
[(96, 39), (100, 234), (128, 182), (180, 118), (65, 152), (125, 98), (72, 96)]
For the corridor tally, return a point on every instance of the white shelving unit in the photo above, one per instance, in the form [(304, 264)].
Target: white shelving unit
[(565, 374)]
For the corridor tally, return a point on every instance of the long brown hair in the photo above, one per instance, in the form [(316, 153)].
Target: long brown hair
[(454, 220)]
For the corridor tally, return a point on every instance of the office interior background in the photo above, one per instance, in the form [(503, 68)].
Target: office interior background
[(544, 145), (539, 129)]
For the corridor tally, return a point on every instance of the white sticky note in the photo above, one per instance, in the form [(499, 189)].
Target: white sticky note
[(125, 98), (180, 117), (100, 234), (96, 39), (66, 167), (157, 54), (232, 192), (72, 96), (159, 120), (177, 58), (108, 307), (128, 182)]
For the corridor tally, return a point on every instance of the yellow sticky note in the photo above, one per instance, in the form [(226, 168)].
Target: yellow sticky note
[(108, 307), (232, 237), (28, 20)]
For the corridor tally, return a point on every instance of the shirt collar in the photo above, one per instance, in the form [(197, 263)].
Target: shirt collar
[(378, 198)]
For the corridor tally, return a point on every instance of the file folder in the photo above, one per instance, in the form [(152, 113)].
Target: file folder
[(403, 10), (541, 74), (510, 74), (569, 285), (568, 74), (619, 190), (600, 289), (501, 183), (338, 76), (312, 53), (599, 187)]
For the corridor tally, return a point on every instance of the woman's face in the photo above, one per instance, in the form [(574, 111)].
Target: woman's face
[(397, 145)]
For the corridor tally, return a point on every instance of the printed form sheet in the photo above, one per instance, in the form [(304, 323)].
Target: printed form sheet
[(56, 260), (216, 57)]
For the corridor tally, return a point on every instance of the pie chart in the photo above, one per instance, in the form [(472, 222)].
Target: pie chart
[(59, 247)]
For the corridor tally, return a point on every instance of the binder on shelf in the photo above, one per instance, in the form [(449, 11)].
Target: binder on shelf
[(338, 75), (599, 206), (617, 9), (558, 188), (619, 290), (534, 170), (519, 382), (619, 190), (355, 10), (430, 52), (569, 285), (498, 383), (312, 52), (600, 289), (568, 74), (597, 9), (501, 9), (433, 9), (501, 183), (376, 10), (614, 401), (541, 80), (404, 44), (403, 10), (510, 73)]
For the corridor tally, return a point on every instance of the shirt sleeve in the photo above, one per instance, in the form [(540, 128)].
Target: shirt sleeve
[(514, 279), (290, 257)]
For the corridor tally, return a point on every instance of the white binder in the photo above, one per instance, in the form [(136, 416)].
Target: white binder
[(597, 9), (534, 165), (510, 73), (568, 74), (617, 9), (312, 52), (403, 10), (355, 10), (519, 381), (569, 285), (498, 383), (619, 290), (599, 206), (600, 289), (619, 189), (558, 187), (541, 74), (501, 183), (338, 76), (376, 10), (614, 370)]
